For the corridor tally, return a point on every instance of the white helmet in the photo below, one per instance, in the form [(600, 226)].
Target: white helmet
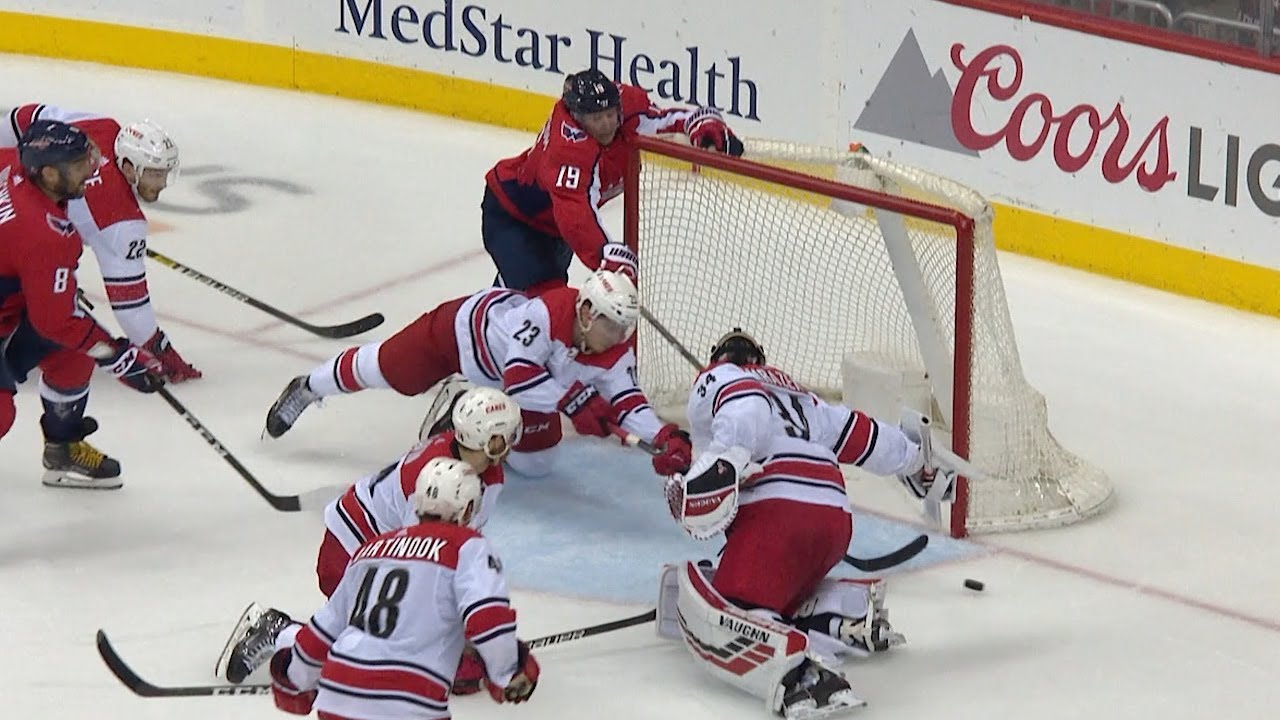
[(146, 145), (612, 295), (483, 413), (448, 489)]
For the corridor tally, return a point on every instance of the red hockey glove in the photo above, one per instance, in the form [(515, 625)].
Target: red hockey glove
[(590, 413), (706, 129), (617, 257), (172, 366), (677, 450), (130, 364), (287, 695), (522, 685)]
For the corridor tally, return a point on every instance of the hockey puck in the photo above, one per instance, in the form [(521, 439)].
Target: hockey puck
[(974, 584)]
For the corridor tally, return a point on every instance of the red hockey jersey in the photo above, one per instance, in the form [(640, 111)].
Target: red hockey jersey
[(39, 254), (558, 185)]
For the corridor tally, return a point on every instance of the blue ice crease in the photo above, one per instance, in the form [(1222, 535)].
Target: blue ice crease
[(597, 527)]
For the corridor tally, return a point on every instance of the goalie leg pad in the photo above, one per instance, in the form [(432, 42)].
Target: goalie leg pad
[(742, 648), (440, 414)]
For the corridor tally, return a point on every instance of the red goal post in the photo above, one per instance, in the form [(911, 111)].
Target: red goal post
[(828, 255)]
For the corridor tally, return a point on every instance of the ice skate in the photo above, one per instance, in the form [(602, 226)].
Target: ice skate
[(297, 396), (440, 416), (871, 633), (813, 691), (251, 643), (77, 464)]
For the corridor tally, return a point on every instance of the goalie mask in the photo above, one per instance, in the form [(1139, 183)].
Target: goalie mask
[(738, 348)]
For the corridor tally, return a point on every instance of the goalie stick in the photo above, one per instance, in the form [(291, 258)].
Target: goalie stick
[(871, 564), (283, 503), (138, 686), (355, 327)]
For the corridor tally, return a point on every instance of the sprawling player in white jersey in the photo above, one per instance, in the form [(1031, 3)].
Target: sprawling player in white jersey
[(768, 476), (387, 642), (485, 425), (565, 351), (136, 163)]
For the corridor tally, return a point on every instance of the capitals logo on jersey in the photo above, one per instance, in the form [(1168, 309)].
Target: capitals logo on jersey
[(571, 133), (62, 226)]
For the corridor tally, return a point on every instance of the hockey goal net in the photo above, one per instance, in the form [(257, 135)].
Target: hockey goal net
[(825, 255)]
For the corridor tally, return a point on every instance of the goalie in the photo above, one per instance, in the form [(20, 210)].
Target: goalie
[(766, 618)]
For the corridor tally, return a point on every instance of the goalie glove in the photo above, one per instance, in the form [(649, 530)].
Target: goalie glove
[(705, 500), (706, 129), (922, 477)]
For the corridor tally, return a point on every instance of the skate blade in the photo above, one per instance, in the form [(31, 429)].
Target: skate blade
[(76, 481), (838, 703), (248, 619)]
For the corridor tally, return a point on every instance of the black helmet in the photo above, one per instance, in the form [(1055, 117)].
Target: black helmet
[(738, 348), (50, 142), (590, 91)]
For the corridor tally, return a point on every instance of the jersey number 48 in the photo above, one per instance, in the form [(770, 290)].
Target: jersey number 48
[(379, 618)]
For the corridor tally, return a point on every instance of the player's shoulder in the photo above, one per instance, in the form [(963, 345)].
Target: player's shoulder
[(776, 377), (566, 139), (634, 99), (719, 373), (606, 359), (110, 197), (555, 309), (33, 219), (103, 132), (411, 464)]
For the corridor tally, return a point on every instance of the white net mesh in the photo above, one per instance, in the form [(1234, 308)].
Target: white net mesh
[(813, 280)]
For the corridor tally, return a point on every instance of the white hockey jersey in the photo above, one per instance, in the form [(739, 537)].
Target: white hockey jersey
[(108, 217), (798, 438), (387, 644), (524, 346), (379, 503)]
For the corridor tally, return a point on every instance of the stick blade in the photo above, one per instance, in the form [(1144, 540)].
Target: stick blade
[(123, 672), (355, 327), (897, 557)]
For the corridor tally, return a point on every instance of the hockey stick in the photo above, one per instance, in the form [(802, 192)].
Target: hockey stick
[(633, 440), (886, 561), (283, 503), (567, 636), (138, 686), (355, 327), (666, 335)]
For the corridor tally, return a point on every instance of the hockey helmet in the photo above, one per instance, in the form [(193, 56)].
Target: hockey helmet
[(52, 142), (482, 414), (738, 348), (147, 146), (590, 91), (448, 489), (612, 296)]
